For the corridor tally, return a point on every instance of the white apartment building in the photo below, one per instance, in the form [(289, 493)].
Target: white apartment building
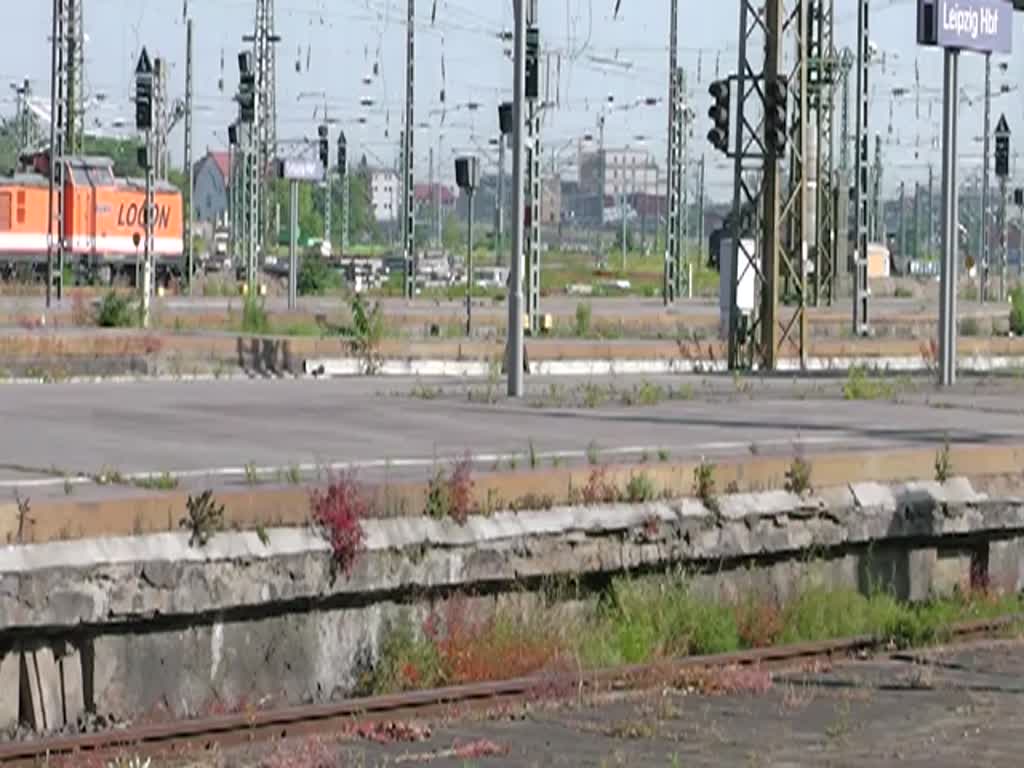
[(386, 195), (629, 171)]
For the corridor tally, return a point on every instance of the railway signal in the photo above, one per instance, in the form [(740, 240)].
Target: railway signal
[(776, 95), (246, 88), (323, 135), (719, 114), (342, 154), (1002, 148), (144, 92)]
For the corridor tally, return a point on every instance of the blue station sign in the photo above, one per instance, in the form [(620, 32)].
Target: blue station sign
[(985, 26)]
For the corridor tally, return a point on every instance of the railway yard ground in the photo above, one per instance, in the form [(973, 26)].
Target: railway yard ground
[(241, 434), (95, 474), (945, 708)]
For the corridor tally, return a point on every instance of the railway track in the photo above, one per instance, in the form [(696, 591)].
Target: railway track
[(192, 738)]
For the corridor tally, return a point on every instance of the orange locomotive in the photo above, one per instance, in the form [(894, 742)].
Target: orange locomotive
[(104, 222)]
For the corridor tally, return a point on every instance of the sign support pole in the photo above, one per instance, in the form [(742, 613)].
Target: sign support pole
[(514, 360), (293, 250), (947, 308)]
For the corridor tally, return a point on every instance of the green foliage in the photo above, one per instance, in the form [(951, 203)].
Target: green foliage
[(124, 153), (640, 489), (643, 620), (860, 386), (317, 277), (453, 234), (943, 464), (704, 484), (368, 329), (115, 311), (403, 649), (255, 319), (203, 519), (162, 482), (584, 313), (798, 476), (1017, 311), (970, 326)]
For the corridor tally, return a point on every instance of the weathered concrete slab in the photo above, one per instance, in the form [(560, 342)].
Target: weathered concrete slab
[(273, 618)]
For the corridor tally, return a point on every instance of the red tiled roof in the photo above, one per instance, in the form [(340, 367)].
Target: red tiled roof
[(223, 161), (424, 193)]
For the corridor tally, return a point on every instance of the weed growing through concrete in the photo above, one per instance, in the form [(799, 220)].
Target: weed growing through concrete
[(798, 476), (704, 485), (262, 535), (584, 313), (421, 391), (943, 463), (664, 454), (368, 331), (108, 476), (593, 454), (255, 319), (252, 475), (860, 386), (451, 495), (69, 487), (599, 489), (203, 519), (338, 514), (162, 482), (594, 395), (640, 489), (532, 454), (115, 311), (645, 393), (294, 475), (24, 506), (644, 619)]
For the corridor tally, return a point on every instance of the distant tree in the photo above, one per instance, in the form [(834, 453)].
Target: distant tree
[(124, 153)]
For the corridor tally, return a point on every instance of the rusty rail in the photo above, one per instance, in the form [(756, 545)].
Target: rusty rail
[(167, 739)]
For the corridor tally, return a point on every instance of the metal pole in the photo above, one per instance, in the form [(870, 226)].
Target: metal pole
[(902, 229), (436, 214), (737, 252), (55, 220), (700, 221), (950, 224), (515, 292), (189, 171), (147, 250), (983, 250), (622, 212), (668, 270), (930, 218), (439, 219), (346, 191), (293, 246), (328, 190), (408, 155), (878, 231), (533, 195), (861, 326), (1002, 240), (499, 206), (469, 271)]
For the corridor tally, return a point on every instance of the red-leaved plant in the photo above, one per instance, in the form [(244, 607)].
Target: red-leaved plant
[(339, 513), (460, 490)]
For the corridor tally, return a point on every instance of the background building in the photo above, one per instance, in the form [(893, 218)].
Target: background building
[(385, 195), (212, 176)]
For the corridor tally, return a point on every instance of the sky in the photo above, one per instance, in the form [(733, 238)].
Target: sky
[(341, 54)]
